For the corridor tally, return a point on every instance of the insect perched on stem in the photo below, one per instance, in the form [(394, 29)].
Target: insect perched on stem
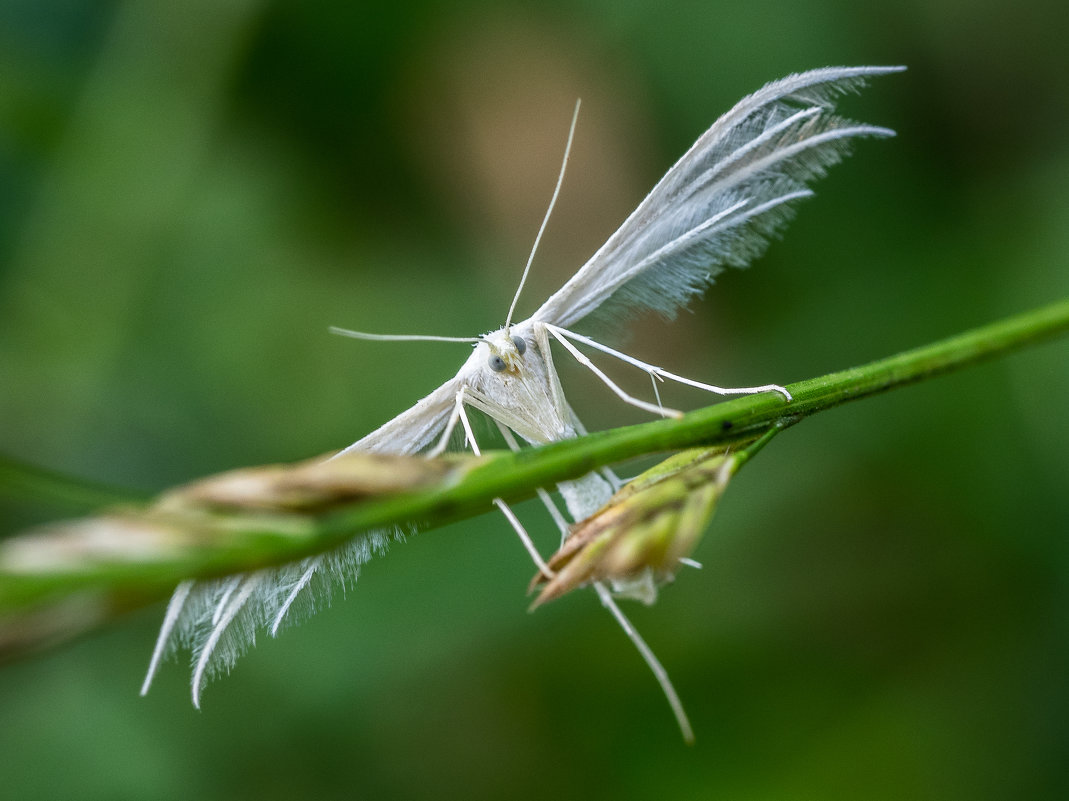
[(717, 206)]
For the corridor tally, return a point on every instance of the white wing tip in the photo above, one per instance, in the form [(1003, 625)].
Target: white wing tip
[(864, 70), (170, 619), (884, 68), (879, 130)]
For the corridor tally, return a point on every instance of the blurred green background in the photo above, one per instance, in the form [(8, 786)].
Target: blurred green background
[(191, 193)]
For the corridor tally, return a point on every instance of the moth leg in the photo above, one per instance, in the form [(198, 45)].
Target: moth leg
[(525, 538), (541, 335), (658, 372), (654, 664), (624, 396), (607, 472), (514, 521), (654, 378), (650, 658), (447, 432), (564, 409), (466, 396), (659, 673), (543, 496)]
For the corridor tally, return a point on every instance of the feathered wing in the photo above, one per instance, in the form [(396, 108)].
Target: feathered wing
[(722, 201), (415, 429), (217, 620)]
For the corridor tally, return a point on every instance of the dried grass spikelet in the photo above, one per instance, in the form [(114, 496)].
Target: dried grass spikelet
[(317, 483), (638, 539), (252, 511), (188, 518)]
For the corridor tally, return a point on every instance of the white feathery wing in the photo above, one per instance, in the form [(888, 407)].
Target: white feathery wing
[(218, 619), (722, 201), (717, 206)]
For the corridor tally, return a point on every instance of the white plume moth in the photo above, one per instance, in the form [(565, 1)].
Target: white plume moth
[(717, 206)]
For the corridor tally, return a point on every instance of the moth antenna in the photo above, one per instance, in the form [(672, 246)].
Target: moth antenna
[(545, 220), (345, 332)]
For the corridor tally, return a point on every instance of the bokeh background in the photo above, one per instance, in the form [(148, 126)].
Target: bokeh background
[(191, 193)]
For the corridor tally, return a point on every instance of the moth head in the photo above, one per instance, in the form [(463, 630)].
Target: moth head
[(504, 351)]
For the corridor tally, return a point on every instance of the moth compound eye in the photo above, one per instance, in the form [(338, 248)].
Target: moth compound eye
[(497, 364), (521, 345)]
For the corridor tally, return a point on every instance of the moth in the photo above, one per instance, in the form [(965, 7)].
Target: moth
[(718, 206)]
